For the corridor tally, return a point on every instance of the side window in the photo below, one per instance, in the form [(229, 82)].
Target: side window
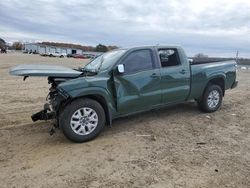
[(138, 61), (168, 57)]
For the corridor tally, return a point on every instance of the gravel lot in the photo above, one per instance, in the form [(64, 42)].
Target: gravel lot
[(173, 147)]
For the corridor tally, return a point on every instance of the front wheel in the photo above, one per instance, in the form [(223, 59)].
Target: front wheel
[(82, 120), (211, 99)]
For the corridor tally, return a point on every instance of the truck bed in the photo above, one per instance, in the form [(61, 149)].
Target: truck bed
[(209, 60), (203, 72)]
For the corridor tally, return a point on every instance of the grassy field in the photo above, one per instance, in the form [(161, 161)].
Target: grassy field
[(177, 146)]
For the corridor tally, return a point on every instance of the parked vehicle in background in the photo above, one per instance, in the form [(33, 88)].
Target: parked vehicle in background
[(127, 81), (79, 56), (56, 54), (83, 56), (92, 56), (44, 55), (3, 51), (70, 55)]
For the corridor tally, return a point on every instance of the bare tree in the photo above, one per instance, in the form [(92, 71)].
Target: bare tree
[(17, 46), (200, 55)]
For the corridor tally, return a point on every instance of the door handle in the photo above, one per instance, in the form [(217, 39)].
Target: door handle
[(183, 71), (154, 75)]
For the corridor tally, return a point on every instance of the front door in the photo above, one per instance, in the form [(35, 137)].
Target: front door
[(138, 88)]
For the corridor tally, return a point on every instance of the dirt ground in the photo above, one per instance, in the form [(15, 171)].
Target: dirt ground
[(173, 147)]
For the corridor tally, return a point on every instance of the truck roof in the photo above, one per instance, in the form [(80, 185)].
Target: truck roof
[(152, 46)]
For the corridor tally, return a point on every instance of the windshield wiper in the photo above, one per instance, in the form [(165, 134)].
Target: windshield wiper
[(94, 71)]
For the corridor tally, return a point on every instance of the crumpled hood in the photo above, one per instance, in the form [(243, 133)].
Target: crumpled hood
[(44, 71), (84, 85)]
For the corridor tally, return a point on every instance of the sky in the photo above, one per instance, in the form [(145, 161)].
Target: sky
[(212, 27)]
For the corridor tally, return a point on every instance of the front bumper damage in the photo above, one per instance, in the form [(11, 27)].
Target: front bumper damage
[(45, 114), (56, 99)]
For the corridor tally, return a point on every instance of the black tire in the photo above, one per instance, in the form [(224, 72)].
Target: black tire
[(70, 109), (204, 101)]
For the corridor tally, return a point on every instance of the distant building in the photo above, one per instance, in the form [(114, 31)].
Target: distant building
[(46, 49)]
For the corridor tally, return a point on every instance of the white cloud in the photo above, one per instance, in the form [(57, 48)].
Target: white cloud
[(214, 27)]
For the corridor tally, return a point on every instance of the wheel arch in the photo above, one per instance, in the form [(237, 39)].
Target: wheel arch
[(100, 99), (218, 79), (97, 97)]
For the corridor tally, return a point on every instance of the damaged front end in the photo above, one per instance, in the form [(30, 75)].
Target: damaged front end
[(55, 99), (45, 114)]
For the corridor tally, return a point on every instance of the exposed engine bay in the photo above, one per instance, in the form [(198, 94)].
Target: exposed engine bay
[(54, 99)]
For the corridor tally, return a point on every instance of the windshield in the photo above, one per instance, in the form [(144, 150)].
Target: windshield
[(104, 61)]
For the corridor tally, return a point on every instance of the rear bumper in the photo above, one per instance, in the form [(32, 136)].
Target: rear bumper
[(234, 84)]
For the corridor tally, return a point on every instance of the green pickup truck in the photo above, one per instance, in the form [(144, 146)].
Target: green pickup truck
[(127, 81)]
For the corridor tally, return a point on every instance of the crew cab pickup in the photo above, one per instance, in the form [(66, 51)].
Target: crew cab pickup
[(127, 81)]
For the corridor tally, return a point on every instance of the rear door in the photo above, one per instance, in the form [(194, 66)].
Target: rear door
[(139, 87), (175, 76)]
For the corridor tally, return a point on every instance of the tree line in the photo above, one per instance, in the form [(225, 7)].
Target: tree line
[(98, 48)]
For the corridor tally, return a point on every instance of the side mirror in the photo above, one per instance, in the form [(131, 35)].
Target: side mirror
[(190, 60), (121, 68)]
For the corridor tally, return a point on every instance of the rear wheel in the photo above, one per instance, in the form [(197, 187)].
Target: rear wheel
[(82, 120), (211, 99)]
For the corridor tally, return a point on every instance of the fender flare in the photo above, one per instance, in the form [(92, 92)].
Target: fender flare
[(99, 94), (214, 76)]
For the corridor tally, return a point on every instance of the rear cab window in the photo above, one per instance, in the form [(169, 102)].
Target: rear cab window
[(169, 57)]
